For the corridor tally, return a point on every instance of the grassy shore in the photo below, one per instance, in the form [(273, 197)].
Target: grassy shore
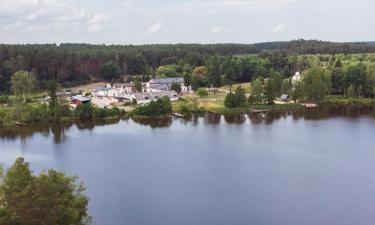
[(215, 103)]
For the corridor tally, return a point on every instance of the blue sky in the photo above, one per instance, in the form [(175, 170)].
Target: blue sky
[(184, 21)]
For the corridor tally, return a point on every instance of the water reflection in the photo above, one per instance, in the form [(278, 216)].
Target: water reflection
[(154, 122), (58, 130)]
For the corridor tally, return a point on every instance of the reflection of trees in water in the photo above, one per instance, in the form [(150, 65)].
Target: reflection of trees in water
[(235, 119), (58, 130), (24, 132), (212, 118), (154, 122)]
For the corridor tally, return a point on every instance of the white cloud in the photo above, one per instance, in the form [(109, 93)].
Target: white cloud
[(217, 29), (279, 28), (96, 22), (155, 28), (49, 14)]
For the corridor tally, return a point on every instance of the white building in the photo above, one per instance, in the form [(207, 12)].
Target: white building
[(124, 88), (147, 97), (164, 84), (296, 78)]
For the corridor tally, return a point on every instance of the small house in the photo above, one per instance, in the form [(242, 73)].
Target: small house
[(80, 100), (124, 87)]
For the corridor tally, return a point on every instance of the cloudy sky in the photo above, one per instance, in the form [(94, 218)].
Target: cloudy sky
[(184, 21)]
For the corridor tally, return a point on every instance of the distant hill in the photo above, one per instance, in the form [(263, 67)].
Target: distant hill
[(371, 42)]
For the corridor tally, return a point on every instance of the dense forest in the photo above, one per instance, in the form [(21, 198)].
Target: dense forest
[(73, 64)]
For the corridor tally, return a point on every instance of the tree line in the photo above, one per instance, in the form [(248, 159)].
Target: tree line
[(73, 64)]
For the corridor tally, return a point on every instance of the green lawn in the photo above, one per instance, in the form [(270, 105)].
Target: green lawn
[(246, 86)]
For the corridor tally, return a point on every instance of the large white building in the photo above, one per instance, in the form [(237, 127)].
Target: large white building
[(164, 84)]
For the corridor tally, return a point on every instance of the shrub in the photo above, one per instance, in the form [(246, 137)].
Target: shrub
[(230, 101), (202, 92), (85, 111), (237, 99), (162, 106), (4, 99)]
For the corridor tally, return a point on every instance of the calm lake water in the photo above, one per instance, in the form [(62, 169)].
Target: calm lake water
[(288, 169)]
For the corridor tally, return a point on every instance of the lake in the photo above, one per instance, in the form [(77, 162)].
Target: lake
[(278, 169)]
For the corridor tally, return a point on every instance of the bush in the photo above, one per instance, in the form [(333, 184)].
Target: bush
[(85, 111), (35, 114), (230, 101), (4, 99), (237, 99), (155, 108), (202, 92)]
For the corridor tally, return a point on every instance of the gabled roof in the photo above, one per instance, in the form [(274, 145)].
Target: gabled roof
[(80, 98)]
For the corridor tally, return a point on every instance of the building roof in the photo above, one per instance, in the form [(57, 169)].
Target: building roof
[(167, 80), (154, 95), (81, 98), (120, 85), (101, 89)]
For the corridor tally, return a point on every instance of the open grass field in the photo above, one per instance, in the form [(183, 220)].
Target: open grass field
[(215, 103), (246, 86)]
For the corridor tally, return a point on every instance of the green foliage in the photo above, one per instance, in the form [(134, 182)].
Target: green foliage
[(27, 199), (138, 85), (231, 101), (256, 96), (54, 106), (202, 92), (101, 113), (85, 112), (4, 99), (160, 107), (167, 71), (269, 92), (176, 87), (110, 71), (317, 83), (237, 99), (297, 92), (23, 83), (351, 92)]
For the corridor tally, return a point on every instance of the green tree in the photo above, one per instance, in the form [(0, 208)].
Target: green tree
[(54, 106), (23, 83), (230, 100), (256, 91), (317, 83), (196, 82), (229, 72), (236, 99), (202, 92), (213, 72), (110, 71), (187, 79), (277, 82), (297, 92), (51, 198), (85, 111), (176, 87), (167, 71), (240, 96), (351, 92), (269, 92), (138, 85)]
